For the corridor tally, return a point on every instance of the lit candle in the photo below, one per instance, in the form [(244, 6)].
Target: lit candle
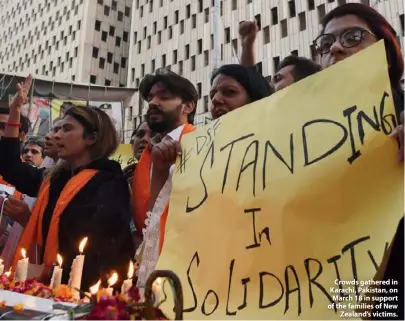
[(21, 271), (93, 291), (156, 288), (111, 281), (76, 271), (1, 267), (56, 279), (126, 285), (8, 273)]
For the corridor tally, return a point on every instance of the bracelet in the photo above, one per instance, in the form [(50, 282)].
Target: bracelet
[(13, 124)]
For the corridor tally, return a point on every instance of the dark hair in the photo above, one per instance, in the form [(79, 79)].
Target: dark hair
[(35, 141), (381, 29), (4, 111), (25, 124), (254, 83), (175, 84), (303, 67)]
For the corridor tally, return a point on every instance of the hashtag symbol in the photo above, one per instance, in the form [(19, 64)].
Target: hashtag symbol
[(185, 156)]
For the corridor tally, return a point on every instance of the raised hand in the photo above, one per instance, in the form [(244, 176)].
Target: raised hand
[(248, 32), (23, 89), (164, 154)]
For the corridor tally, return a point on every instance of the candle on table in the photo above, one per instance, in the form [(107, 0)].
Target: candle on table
[(156, 288), (127, 284), (8, 273), (93, 291), (21, 271), (56, 279), (111, 281), (76, 272), (1, 267)]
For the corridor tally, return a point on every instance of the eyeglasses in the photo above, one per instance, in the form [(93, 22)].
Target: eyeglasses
[(349, 38)]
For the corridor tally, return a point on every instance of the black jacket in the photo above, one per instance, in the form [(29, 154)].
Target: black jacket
[(100, 210)]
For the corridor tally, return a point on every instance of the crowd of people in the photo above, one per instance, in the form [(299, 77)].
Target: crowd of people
[(78, 191)]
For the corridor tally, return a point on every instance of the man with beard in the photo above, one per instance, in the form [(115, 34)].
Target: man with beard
[(172, 102)]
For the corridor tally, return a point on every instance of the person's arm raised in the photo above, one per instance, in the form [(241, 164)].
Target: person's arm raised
[(13, 124), (248, 32)]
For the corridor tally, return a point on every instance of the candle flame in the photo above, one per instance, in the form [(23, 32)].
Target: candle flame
[(24, 253), (131, 270), (8, 273), (94, 289), (82, 245), (60, 260), (113, 279)]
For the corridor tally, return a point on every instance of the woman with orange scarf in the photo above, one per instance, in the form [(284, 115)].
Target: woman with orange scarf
[(84, 195)]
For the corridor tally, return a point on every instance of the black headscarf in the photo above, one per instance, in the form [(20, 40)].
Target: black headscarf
[(254, 83)]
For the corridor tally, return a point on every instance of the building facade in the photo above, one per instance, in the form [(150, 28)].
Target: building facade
[(85, 41), (178, 34)]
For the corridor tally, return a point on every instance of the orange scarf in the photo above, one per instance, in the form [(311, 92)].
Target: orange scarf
[(33, 231), (17, 194), (141, 188)]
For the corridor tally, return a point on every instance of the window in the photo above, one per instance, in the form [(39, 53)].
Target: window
[(154, 27), (100, 2), (313, 51), (133, 74), (205, 103), (192, 63), (321, 12), (199, 46), (194, 21), (118, 41), (98, 25), (127, 11), (258, 21), (276, 62), (114, 5), (181, 27), (227, 35), (206, 58), (101, 63), (274, 16), (206, 15), (109, 57), (104, 36), (164, 61), (79, 24), (165, 22), (120, 16), (294, 53), (95, 52), (266, 34), (187, 52), (234, 4), (159, 37), (125, 36), (170, 32), (199, 90), (107, 82), (340, 2), (365, 2), (76, 49), (176, 16), (112, 31), (401, 19), (259, 67), (235, 45), (180, 67), (311, 4), (152, 66), (93, 79), (150, 5), (302, 21), (106, 11), (291, 7), (135, 36), (174, 57), (142, 70), (144, 32), (116, 67), (188, 11), (284, 30), (123, 62), (149, 42)]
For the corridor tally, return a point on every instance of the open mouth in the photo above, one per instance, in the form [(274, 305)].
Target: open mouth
[(220, 113)]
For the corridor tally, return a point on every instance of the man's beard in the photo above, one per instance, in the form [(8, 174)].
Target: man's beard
[(167, 124)]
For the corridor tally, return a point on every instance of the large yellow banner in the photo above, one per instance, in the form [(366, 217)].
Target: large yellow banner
[(277, 204)]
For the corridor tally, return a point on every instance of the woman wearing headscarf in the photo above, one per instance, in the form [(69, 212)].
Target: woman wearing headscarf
[(234, 86), (347, 30)]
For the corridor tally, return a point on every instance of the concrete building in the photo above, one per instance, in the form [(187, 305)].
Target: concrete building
[(179, 34), (85, 41)]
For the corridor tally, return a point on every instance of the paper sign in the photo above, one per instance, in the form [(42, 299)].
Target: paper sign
[(277, 201), (124, 155), (8, 189)]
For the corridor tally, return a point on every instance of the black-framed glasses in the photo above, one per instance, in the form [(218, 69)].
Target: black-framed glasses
[(349, 38)]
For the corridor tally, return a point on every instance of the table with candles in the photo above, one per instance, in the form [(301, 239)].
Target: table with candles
[(24, 298)]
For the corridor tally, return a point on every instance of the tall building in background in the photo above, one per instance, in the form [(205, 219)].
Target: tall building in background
[(79, 40), (179, 34)]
